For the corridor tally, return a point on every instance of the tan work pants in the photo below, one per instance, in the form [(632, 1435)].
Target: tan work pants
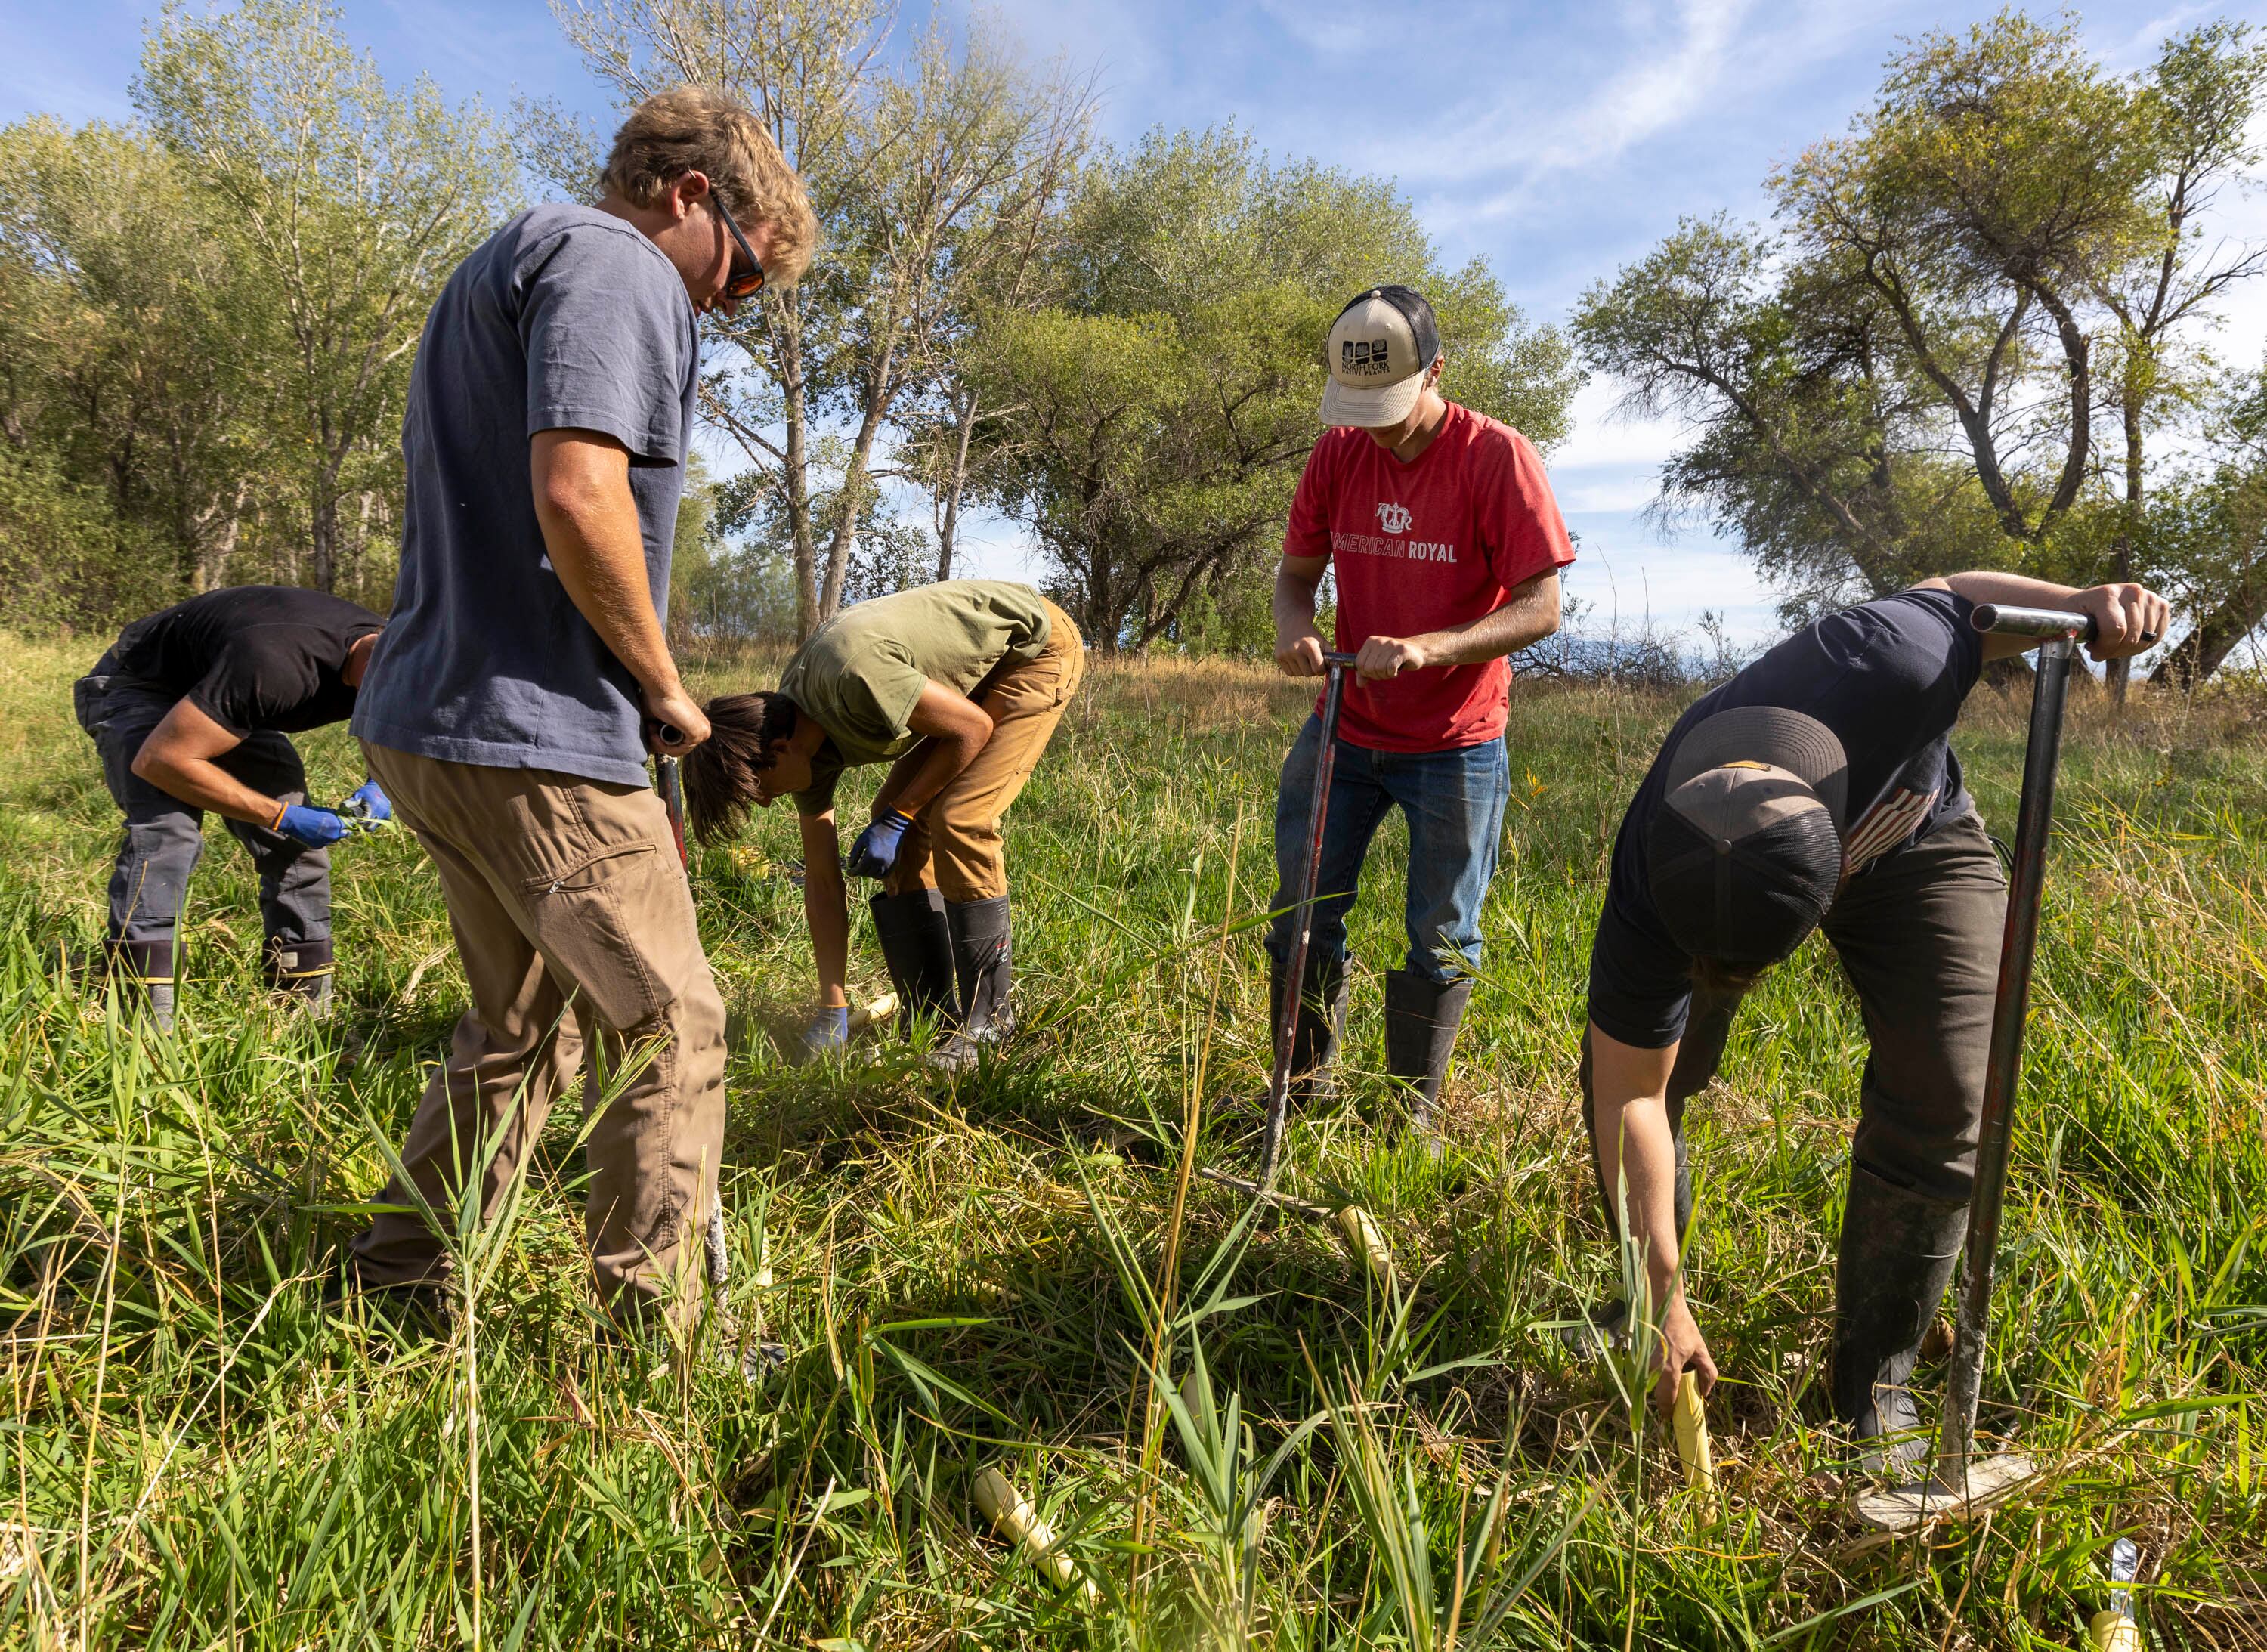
[(953, 845), (566, 896)]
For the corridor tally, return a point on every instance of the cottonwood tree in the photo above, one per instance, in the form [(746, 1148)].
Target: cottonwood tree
[(2002, 263), (1976, 203), (924, 177), (1808, 440), (1149, 425), (2194, 110), (353, 203), (128, 413)]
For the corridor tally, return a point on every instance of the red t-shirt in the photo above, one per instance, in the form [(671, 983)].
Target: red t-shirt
[(1420, 546)]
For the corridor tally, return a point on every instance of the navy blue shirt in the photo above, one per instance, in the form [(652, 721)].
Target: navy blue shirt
[(1888, 678), (566, 319)]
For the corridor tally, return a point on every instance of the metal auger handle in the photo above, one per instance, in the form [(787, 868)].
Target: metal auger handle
[(2007, 620)]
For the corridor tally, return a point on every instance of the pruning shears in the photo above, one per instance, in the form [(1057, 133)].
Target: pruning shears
[(355, 815)]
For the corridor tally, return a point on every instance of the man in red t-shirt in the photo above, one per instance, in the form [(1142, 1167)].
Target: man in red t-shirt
[(1448, 546)]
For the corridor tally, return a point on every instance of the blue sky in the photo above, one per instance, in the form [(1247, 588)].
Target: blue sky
[(1557, 141)]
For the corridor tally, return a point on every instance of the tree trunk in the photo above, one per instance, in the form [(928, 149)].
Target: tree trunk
[(948, 524), (322, 539), (2118, 673), (795, 474), (881, 388), (2202, 650)]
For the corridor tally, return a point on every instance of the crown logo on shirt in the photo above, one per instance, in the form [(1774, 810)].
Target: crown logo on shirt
[(1393, 519)]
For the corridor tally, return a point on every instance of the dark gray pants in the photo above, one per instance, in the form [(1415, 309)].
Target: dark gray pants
[(1918, 937), (164, 836)]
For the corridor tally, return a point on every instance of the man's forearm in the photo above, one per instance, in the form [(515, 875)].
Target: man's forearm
[(1637, 1161), (1293, 603), (826, 910), (941, 759), (1530, 616), (2015, 590), (603, 571), (207, 785)]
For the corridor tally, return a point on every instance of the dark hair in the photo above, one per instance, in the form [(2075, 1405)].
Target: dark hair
[(744, 731)]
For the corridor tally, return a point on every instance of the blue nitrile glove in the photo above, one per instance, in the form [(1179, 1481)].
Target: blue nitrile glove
[(367, 804), (317, 828), (875, 851), (829, 1031)]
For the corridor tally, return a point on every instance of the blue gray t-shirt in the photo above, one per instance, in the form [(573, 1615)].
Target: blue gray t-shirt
[(1889, 678), (565, 318)]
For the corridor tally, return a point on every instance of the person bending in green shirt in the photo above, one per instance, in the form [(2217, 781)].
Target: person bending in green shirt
[(958, 686)]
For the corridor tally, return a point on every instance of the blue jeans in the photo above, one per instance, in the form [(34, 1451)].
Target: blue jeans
[(1453, 802)]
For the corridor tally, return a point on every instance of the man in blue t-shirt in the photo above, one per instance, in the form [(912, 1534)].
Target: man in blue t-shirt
[(508, 708), (1816, 790)]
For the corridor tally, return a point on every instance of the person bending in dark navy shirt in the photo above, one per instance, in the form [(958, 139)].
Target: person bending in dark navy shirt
[(190, 710), (1816, 790)]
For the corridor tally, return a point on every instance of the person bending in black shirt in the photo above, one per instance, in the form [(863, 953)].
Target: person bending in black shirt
[(190, 710), (1816, 790)]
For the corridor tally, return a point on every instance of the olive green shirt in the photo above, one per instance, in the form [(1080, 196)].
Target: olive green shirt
[(859, 675)]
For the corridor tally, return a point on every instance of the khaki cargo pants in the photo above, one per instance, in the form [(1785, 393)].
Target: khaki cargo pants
[(576, 932), (954, 844)]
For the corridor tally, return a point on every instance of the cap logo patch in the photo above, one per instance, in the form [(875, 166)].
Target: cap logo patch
[(1362, 355), (1393, 519)]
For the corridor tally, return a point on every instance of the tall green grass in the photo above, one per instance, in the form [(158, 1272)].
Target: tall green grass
[(1238, 1435)]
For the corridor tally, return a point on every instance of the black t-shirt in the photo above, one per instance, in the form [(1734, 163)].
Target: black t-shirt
[(1888, 678), (251, 658)]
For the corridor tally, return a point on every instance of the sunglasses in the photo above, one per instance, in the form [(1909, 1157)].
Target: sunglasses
[(746, 280)]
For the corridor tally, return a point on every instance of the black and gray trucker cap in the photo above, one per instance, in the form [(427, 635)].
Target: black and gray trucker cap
[(1745, 853)]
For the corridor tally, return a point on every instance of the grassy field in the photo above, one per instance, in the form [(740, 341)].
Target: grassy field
[(1238, 1433)]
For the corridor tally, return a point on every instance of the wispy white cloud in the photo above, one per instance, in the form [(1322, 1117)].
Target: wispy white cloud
[(1668, 79), (1333, 30)]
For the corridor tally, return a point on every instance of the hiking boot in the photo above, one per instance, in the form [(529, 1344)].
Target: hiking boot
[(1421, 1018), (1321, 1023), (1898, 1252), (917, 946), (149, 969), (300, 970), (422, 1311), (983, 952)]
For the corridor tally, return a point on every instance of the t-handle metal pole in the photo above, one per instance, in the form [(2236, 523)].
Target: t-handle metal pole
[(2003, 1071), (1335, 667)]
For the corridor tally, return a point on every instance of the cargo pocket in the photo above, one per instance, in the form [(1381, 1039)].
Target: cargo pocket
[(87, 695), (594, 920)]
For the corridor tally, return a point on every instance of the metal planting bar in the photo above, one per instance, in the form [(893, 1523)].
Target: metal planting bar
[(2003, 1071), (1335, 667)]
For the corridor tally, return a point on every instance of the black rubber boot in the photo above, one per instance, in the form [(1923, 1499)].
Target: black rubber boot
[(1421, 1018), (151, 971), (917, 946), (1322, 1022), (1898, 1251), (983, 956), (301, 970)]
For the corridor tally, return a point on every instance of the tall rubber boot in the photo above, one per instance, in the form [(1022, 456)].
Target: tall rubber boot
[(152, 970), (300, 970), (1321, 1023), (1421, 1018), (983, 954), (1897, 1253), (917, 946)]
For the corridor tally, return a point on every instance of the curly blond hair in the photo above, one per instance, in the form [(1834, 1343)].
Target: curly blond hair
[(699, 128)]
